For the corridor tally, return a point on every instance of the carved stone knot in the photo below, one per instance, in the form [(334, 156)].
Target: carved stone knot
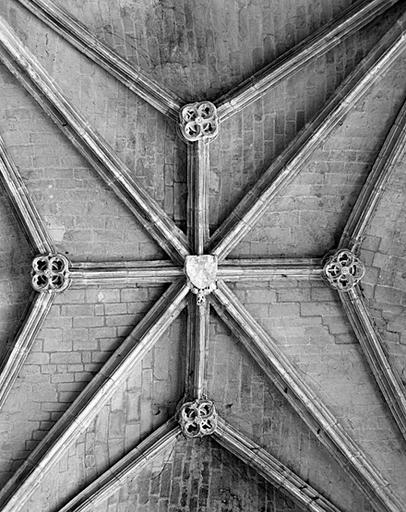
[(199, 121), (198, 418), (50, 273), (201, 273), (343, 270)]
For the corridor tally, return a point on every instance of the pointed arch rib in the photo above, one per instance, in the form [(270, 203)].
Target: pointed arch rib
[(271, 469), (386, 377), (128, 466), (24, 66), (123, 272), (83, 40), (292, 159), (28, 477), (27, 214), (313, 412), (354, 18), (392, 149), (16, 356), (263, 269)]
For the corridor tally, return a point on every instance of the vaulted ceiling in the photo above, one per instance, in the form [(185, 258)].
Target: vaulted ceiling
[(153, 267)]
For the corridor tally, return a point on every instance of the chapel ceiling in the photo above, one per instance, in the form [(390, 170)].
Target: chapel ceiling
[(210, 199)]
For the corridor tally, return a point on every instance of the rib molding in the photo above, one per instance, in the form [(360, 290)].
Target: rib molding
[(28, 477), (83, 40), (279, 370), (32, 76), (291, 161), (271, 469)]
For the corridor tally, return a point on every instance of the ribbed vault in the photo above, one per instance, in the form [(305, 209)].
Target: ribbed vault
[(213, 199)]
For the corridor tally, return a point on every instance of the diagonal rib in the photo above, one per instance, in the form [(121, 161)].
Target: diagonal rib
[(16, 356), (29, 475), (81, 38), (127, 467), (390, 153), (270, 468), (28, 215), (305, 402), (354, 18), (386, 377), (291, 161), (24, 66)]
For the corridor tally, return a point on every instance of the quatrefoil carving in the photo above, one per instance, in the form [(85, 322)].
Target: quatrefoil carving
[(198, 418), (50, 273), (343, 270), (199, 121)]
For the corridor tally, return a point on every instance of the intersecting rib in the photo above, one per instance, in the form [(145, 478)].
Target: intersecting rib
[(292, 159), (81, 38), (391, 151), (128, 466), (22, 484), (386, 377), (16, 356), (263, 269), (24, 66), (124, 272), (271, 469), (306, 403), (27, 214), (353, 19)]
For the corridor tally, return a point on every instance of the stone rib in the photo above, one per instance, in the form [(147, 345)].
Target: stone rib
[(128, 466), (261, 269), (386, 377), (198, 169), (197, 342), (291, 161), (27, 214), (305, 402), (123, 273), (83, 40), (270, 468), (392, 149), (315, 45), (24, 66), (16, 356), (28, 477)]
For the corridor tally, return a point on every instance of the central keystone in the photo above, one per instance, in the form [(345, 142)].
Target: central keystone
[(201, 273)]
